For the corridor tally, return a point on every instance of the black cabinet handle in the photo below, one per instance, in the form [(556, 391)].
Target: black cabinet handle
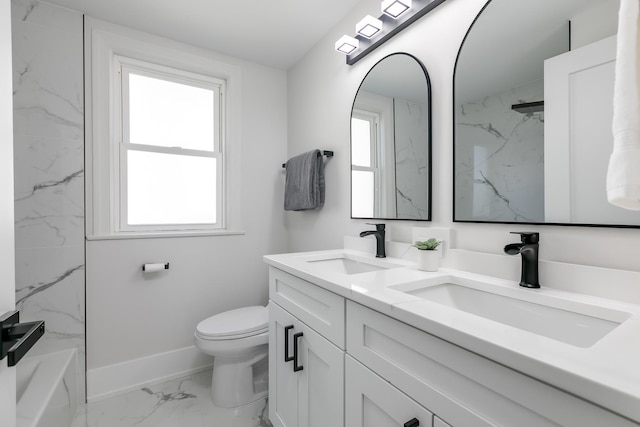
[(16, 338), (286, 343), (412, 423), (296, 367)]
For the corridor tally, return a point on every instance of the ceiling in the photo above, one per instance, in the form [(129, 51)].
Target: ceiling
[(276, 33)]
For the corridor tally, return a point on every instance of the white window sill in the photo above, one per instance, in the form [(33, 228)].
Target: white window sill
[(165, 234)]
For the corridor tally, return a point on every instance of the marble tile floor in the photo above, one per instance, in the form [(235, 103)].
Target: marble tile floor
[(183, 402)]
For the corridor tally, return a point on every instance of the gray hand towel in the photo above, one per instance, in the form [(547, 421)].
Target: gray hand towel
[(304, 186)]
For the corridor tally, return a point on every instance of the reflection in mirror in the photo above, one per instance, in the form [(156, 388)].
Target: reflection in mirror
[(533, 94), (391, 142)]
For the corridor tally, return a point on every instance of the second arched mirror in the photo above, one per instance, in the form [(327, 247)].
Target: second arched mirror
[(391, 142)]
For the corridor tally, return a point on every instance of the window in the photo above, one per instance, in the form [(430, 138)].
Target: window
[(364, 169), (170, 154), (162, 139), (373, 157)]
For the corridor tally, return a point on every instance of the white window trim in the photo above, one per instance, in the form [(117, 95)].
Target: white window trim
[(103, 43)]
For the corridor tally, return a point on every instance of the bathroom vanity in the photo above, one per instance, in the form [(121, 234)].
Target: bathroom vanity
[(357, 341)]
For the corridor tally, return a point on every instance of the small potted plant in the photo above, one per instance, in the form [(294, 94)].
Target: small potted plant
[(428, 254)]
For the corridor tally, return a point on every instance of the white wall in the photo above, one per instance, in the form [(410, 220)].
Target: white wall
[(132, 316), (595, 23), (321, 90)]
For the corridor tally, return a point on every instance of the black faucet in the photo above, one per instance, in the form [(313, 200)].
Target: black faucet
[(528, 249), (379, 233)]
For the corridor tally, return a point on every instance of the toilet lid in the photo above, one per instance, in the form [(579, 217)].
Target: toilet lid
[(241, 321)]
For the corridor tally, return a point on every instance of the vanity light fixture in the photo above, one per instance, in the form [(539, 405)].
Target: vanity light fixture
[(395, 8), (347, 44), (369, 26), (371, 32)]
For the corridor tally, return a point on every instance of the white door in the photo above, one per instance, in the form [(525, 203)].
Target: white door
[(7, 251), (578, 103)]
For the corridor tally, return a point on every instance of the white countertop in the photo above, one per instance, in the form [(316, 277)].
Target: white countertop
[(607, 373)]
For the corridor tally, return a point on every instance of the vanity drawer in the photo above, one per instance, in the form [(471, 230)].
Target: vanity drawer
[(459, 386), (320, 309)]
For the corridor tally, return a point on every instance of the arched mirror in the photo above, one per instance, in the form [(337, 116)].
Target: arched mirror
[(391, 142), (533, 96)]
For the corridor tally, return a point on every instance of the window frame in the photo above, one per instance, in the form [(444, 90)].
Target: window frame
[(103, 43), (123, 67)]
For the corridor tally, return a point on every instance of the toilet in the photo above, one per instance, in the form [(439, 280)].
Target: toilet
[(238, 340)]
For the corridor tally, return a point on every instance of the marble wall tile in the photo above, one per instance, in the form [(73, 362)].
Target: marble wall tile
[(412, 159), (49, 191), (499, 158), (49, 173)]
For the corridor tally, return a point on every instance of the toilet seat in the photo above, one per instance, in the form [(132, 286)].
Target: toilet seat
[(234, 324)]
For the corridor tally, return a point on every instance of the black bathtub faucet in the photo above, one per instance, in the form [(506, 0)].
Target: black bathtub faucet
[(528, 249), (379, 233)]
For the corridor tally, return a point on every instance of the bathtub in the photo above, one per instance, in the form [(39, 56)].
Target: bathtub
[(46, 390)]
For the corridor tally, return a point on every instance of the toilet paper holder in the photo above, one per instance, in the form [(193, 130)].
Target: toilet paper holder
[(155, 267)]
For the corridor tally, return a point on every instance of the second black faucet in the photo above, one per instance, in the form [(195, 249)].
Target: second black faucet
[(528, 249)]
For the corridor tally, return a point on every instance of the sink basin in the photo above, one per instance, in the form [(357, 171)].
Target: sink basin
[(570, 322), (345, 265)]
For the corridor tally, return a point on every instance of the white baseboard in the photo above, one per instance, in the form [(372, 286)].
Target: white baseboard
[(134, 374)]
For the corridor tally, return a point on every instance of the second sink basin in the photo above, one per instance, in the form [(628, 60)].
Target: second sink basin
[(570, 322)]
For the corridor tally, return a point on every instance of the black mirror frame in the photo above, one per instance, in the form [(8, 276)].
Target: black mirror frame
[(453, 165), (429, 142)]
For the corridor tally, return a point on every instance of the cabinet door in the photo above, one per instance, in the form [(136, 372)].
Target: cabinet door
[(321, 381), (373, 402), (283, 382), (312, 396)]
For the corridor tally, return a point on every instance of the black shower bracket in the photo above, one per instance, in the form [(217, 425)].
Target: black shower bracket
[(16, 338)]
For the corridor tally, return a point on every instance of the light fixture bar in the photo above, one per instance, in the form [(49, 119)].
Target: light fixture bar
[(347, 44), (392, 26), (395, 8), (369, 27)]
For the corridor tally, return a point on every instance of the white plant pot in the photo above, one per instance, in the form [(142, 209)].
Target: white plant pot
[(429, 260)]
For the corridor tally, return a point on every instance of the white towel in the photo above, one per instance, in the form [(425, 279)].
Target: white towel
[(623, 176)]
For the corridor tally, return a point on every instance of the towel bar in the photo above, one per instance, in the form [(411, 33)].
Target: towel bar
[(327, 153)]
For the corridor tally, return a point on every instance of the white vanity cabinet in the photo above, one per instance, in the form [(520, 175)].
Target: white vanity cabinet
[(306, 368), (363, 368)]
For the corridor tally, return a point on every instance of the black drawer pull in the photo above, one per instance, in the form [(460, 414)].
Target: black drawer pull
[(287, 358), (412, 423), (296, 367)]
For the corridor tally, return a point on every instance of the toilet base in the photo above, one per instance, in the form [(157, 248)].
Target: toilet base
[(238, 380)]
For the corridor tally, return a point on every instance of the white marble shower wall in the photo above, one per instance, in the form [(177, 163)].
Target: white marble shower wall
[(411, 124), (499, 172), (49, 173)]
